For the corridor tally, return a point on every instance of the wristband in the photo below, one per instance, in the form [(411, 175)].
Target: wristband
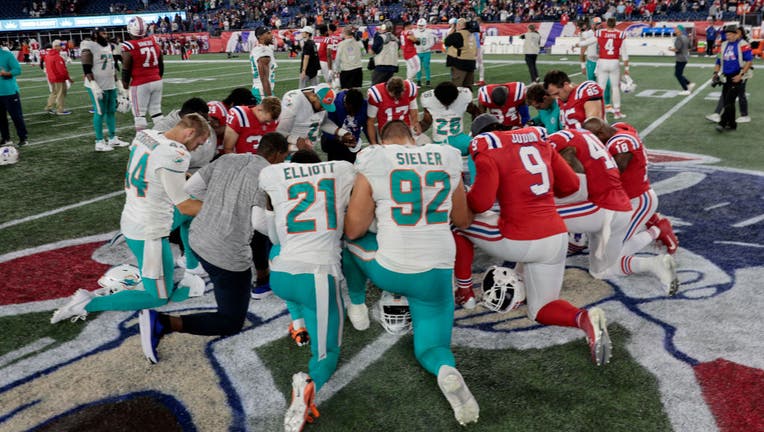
[(583, 65)]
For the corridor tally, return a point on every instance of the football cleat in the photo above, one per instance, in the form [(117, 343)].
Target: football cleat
[(594, 324), (151, 332), (116, 142), (198, 271), (359, 316), (609, 109), (101, 146), (577, 243), (451, 383), (666, 236), (74, 308), (618, 115), (714, 117), (664, 268), (465, 297), (299, 336), (303, 406)]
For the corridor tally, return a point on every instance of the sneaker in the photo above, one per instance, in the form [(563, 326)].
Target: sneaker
[(23, 142), (359, 316), (684, 93), (299, 336), (743, 119), (74, 308), (116, 142), (618, 115), (63, 113), (427, 83), (594, 324), (303, 406), (664, 268), (261, 291), (716, 118), (101, 146), (667, 236), (465, 297), (198, 271), (609, 109), (6, 142), (690, 87), (51, 111), (451, 383), (151, 332)]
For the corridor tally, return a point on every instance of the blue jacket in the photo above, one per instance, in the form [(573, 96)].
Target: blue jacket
[(353, 124), (8, 63), (711, 33), (733, 55)]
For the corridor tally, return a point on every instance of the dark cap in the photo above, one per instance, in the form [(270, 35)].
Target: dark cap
[(481, 122), (261, 31), (730, 28)]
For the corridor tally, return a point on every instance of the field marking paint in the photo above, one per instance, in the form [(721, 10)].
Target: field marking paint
[(734, 243), (716, 206), (660, 120), (25, 350), (59, 210), (747, 222)]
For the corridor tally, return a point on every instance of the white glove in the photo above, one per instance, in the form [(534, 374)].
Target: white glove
[(94, 88), (122, 90)]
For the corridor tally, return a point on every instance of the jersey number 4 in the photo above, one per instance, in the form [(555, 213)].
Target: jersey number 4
[(135, 176), (406, 189), (306, 193)]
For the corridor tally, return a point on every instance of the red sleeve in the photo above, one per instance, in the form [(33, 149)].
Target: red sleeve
[(591, 91), (61, 73), (482, 195), (566, 181)]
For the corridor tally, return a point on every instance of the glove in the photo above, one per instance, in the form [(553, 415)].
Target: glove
[(122, 90), (94, 88)]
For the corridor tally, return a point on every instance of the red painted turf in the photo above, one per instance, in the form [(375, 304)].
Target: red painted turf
[(735, 394)]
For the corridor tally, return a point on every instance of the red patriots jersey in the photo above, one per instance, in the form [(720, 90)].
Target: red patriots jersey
[(634, 177), (243, 121), (521, 171), (322, 43), (603, 180), (407, 45), (507, 114), (386, 108), (334, 40), (145, 54), (572, 112), (609, 43)]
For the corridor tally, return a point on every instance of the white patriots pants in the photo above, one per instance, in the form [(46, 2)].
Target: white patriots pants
[(413, 65), (610, 70), (326, 72), (543, 260), (146, 99), (643, 208)]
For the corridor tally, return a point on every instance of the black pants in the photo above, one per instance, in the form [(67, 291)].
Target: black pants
[(710, 47), (335, 150), (232, 292), (380, 76), (261, 247), (12, 105), (679, 74), (530, 61), (351, 79), (730, 92), (742, 100)]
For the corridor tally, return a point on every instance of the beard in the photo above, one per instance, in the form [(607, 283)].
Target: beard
[(101, 40)]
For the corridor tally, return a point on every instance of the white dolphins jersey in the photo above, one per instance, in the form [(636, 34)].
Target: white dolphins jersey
[(262, 51), (309, 202), (298, 118), (103, 64), (446, 121), (148, 209), (412, 188)]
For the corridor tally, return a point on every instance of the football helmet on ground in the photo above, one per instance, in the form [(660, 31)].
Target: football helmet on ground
[(503, 290), (8, 155), (123, 104), (394, 313), (121, 277), (627, 84)]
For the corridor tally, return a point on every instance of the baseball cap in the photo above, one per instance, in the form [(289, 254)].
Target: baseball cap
[(681, 28), (452, 21), (730, 28), (326, 97), (481, 122), (57, 43), (596, 20), (261, 31), (307, 29)]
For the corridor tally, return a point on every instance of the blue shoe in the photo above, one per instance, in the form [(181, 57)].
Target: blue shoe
[(260, 292), (151, 332)]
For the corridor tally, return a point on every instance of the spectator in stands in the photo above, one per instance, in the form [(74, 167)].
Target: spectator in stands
[(10, 99), (734, 62), (348, 64), (309, 64), (58, 77), (351, 115), (531, 48), (461, 50), (681, 51), (385, 48)]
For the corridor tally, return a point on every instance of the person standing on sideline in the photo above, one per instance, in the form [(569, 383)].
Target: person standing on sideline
[(408, 46), (142, 70), (309, 64), (263, 64), (100, 83), (58, 77), (426, 40), (741, 97), (590, 55), (681, 51), (385, 48), (461, 51), (348, 64), (531, 48), (711, 34), (10, 99), (734, 61)]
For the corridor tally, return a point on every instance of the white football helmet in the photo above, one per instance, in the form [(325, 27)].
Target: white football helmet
[(394, 313), (136, 27), (119, 278), (8, 155), (627, 84), (503, 290), (421, 24), (123, 104)]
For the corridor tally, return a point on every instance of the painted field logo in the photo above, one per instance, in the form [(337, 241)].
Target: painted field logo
[(703, 345)]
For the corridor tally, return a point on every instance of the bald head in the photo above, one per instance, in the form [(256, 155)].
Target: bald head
[(599, 128)]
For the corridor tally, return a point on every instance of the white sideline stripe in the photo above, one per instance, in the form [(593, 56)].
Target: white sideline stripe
[(659, 121), (360, 362), (53, 246), (59, 210), (716, 206), (678, 182), (28, 349), (747, 222), (734, 243)]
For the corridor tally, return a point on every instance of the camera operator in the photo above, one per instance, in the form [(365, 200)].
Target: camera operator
[(385, 48), (734, 62), (461, 51), (741, 97)]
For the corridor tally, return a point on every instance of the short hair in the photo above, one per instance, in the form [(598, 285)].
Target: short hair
[(305, 156), (348, 31), (196, 122), (354, 98), (240, 96), (556, 77), (499, 95), (271, 144), (395, 129), (394, 86), (535, 92), (446, 92), (272, 105), (333, 27), (322, 29), (194, 105), (610, 22)]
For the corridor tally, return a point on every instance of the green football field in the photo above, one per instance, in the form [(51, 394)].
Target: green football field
[(61, 189)]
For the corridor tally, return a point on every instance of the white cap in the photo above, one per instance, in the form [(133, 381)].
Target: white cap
[(452, 21), (56, 43), (307, 29), (422, 22)]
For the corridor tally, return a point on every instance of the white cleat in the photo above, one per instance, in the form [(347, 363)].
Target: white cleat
[(303, 407), (116, 142), (743, 119), (664, 268), (74, 308), (359, 316), (101, 146), (594, 324), (716, 118), (451, 383), (690, 87)]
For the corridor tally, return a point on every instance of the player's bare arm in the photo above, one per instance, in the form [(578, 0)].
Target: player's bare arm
[(622, 160), (229, 140), (86, 57), (190, 207), (360, 211), (263, 68), (593, 108), (371, 130), (569, 154), (160, 64), (475, 110), (426, 120), (127, 68)]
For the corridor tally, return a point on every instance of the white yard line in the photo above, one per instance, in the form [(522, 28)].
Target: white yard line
[(660, 120), (60, 209), (748, 222)]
